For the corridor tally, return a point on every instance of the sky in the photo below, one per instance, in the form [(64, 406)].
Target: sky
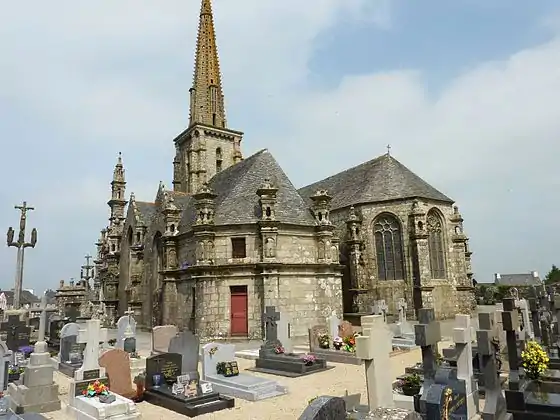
[(465, 92)]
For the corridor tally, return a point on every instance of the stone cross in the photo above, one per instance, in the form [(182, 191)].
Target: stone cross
[(43, 319), (384, 308), (374, 347), (494, 401), (510, 321), (91, 337), (524, 308), (271, 317), (284, 332), (534, 308), (427, 335), (462, 336)]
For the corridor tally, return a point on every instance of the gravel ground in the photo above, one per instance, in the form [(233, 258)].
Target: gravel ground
[(287, 407)]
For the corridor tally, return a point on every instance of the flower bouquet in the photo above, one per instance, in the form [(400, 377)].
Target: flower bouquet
[(349, 344), (308, 359), (14, 372), (324, 341), (535, 360), (338, 343), (26, 350), (279, 350), (95, 389)]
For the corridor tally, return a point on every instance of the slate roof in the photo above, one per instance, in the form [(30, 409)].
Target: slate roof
[(146, 211), (25, 298), (237, 201), (517, 280), (381, 179)]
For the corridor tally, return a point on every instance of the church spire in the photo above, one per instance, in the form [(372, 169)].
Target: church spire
[(206, 95)]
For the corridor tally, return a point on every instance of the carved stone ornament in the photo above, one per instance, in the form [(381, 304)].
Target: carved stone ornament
[(208, 250), (270, 248), (199, 251), (334, 253), (321, 251), (172, 258)]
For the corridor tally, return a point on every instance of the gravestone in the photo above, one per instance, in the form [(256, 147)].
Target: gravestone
[(79, 406), (188, 346), (333, 322), (5, 359), (117, 368), (285, 332), (526, 317), (161, 337), (166, 387), (325, 408), (17, 332), (72, 313), (238, 385), (71, 352), (427, 336), (37, 392), (330, 354), (122, 324), (494, 401), (269, 361), (55, 325), (463, 344), (374, 347), (535, 318)]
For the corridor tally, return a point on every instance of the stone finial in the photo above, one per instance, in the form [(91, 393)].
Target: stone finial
[(61, 284), (205, 193), (132, 197), (352, 216), (267, 189)]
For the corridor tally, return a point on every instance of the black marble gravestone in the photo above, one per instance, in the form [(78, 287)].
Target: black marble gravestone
[(274, 363), (162, 370), (17, 332)]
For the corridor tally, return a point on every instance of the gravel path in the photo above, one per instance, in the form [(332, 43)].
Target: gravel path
[(287, 407)]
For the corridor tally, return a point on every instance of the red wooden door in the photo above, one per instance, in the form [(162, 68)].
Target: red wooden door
[(238, 310)]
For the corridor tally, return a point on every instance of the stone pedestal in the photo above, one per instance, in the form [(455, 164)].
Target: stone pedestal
[(84, 408), (37, 392)]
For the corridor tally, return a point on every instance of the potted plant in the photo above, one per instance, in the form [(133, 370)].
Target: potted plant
[(14, 372), (26, 350), (308, 359), (535, 360), (324, 341), (112, 341), (140, 382), (337, 343), (410, 385), (279, 350)]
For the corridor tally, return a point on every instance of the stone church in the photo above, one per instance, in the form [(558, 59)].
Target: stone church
[(233, 235)]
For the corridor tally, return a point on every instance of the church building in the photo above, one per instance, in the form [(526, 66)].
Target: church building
[(233, 235)]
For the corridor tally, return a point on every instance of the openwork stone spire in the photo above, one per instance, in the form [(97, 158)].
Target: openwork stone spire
[(207, 98)]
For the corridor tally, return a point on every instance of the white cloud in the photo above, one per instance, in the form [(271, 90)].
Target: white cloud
[(115, 76)]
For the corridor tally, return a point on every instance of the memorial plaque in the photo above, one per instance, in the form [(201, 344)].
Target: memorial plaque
[(168, 365)]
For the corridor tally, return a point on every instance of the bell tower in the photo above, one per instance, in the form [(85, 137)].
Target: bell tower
[(207, 146)]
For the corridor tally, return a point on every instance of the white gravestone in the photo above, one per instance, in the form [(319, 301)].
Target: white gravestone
[(285, 332), (122, 324), (374, 347), (91, 337), (523, 306), (333, 322), (463, 344)]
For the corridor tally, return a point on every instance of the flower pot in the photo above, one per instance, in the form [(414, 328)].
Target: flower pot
[(337, 346), (12, 377), (410, 390), (156, 380)]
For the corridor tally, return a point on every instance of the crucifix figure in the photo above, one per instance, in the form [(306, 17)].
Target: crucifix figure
[(20, 244), (271, 317), (388, 150)]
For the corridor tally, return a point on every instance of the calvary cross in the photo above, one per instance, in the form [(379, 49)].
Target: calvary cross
[(270, 318)]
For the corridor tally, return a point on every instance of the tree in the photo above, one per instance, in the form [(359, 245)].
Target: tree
[(553, 275)]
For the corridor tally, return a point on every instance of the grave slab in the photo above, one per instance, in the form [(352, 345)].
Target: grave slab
[(243, 386)]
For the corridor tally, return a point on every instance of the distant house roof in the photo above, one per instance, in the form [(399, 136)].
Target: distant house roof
[(26, 297), (526, 279)]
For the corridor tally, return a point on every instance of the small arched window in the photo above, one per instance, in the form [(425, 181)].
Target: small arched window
[(436, 245), (219, 159), (388, 247), (138, 237)]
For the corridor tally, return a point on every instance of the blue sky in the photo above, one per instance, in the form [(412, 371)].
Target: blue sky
[(466, 92)]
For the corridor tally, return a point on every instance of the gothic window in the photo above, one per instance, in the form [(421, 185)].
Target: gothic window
[(388, 246), (436, 245), (138, 237), (218, 159), (214, 99)]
